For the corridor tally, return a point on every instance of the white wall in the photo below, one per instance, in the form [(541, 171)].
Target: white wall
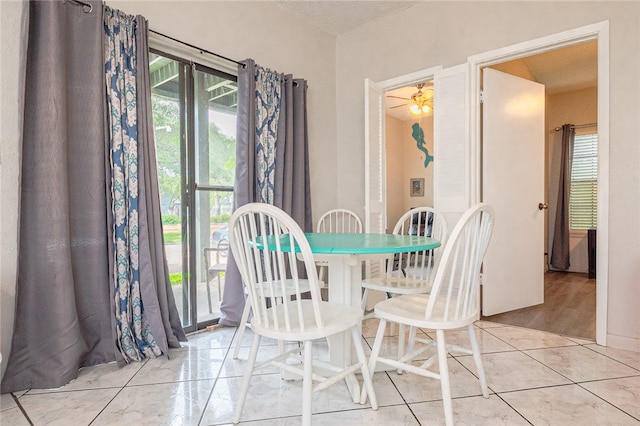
[(446, 33), (414, 163), (394, 131), (238, 30), (405, 162)]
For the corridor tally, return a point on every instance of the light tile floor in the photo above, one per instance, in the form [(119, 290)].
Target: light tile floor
[(534, 377)]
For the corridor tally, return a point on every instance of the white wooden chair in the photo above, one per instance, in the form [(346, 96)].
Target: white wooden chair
[(215, 267), (333, 221), (268, 273), (412, 272), (337, 221), (451, 304)]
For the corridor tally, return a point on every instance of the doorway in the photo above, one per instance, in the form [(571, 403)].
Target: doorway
[(569, 75), (599, 34), (465, 188), (194, 110), (408, 149)]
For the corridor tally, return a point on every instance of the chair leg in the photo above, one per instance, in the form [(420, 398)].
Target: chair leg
[(219, 288), (478, 360), (412, 338), (365, 297), (444, 378), (401, 343), (366, 374), (209, 293), (241, 328), (307, 384), (244, 387), (392, 325), (373, 359)]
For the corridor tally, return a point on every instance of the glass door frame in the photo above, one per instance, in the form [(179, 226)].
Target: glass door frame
[(189, 187)]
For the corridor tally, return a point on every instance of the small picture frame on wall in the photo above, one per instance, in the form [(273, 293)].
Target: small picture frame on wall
[(416, 188)]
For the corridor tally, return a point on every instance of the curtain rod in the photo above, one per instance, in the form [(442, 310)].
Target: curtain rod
[(579, 126), (86, 7), (197, 48)]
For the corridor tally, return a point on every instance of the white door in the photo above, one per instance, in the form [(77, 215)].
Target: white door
[(375, 180), (375, 208), (513, 183), (451, 142)]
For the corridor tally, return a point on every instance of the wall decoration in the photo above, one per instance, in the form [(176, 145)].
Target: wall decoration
[(418, 135), (416, 188)]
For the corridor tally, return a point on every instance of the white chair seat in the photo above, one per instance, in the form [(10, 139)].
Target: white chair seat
[(398, 285), (289, 288), (337, 318), (218, 267), (411, 308)]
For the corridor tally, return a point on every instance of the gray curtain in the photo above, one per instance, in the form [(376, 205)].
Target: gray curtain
[(157, 297), (63, 297), (291, 181), (292, 189), (64, 305), (560, 246)]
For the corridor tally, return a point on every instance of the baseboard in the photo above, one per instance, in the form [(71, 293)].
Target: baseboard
[(623, 342)]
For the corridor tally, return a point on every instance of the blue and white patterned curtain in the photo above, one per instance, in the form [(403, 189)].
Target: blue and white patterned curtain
[(272, 158), (268, 103), (135, 339)]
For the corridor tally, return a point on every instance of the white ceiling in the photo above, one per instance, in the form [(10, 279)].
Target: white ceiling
[(561, 70), (569, 68), (338, 17)]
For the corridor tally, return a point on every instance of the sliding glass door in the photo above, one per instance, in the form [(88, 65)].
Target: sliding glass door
[(194, 113)]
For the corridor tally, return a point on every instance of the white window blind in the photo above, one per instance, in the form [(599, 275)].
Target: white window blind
[(584, 183)]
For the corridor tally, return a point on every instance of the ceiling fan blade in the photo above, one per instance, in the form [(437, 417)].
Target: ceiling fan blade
[(398, 106), (398, 97)]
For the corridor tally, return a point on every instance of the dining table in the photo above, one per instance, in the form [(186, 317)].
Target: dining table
[(345, 253)]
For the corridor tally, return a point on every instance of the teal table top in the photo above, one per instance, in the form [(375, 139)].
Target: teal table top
[(326, 243)]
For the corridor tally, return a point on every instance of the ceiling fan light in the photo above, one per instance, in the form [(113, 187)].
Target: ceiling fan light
[(414, 109), (426, 109)]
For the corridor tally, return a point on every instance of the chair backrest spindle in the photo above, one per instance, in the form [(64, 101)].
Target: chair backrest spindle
[(455, 286), (339, 221), (423, 221), (274, 257)]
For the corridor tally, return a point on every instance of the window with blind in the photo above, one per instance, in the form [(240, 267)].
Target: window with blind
[(583, 198)]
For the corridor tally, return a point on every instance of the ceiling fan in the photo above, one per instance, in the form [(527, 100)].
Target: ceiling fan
[(420, 103)]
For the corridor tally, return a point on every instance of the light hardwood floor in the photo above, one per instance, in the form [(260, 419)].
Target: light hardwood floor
[(569, 307)]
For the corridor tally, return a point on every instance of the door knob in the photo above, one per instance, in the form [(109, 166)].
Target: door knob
[(543, 206)]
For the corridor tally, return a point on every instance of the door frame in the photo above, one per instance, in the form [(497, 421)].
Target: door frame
[(396, 83), (409, 79), (599, 32)]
